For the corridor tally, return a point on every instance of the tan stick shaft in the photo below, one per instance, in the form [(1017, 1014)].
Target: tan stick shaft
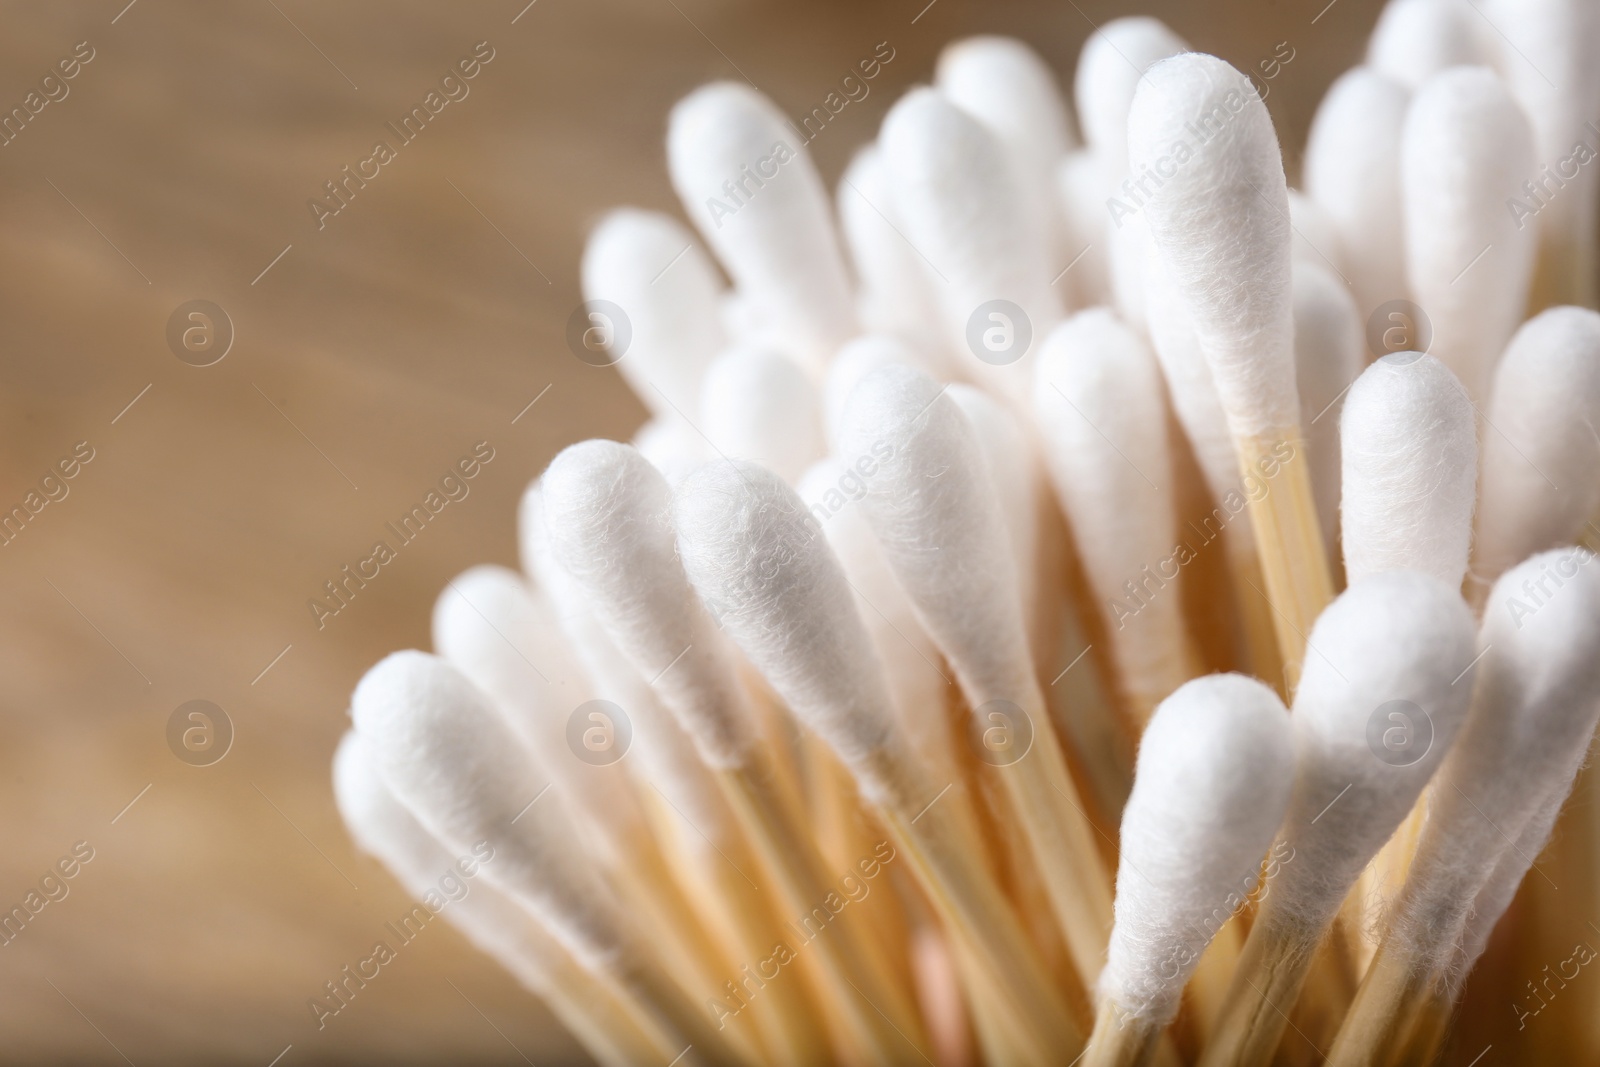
[(1272, 969), (1429, 1028), (876, 1014), (1255, 611), (1062, 839), (1383, 1011), (987, 937), (1288, 540), (1120, 1040), (652, 989)]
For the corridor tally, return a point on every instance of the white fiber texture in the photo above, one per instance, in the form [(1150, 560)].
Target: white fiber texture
[(942, 528), (1545, 51), (896, 294), (383, 828), (1416, 39), (1191, 388), (832, 491), (748, 184), (1387, 676), (1541, 456), (959, 199), (1352, 171), (1218, 211), (1500, 888), (760, 405), (651, 267), (1005, 85), (1409, 470), (661, 754), (755, 553), (1327, 357), (608, 513), (855, 361), (494, 629), (1533, 713), (1465, 150), (1209, 790), (1110, 67), (460, 770), (1099, 406), (487, 623), (1015, 473)]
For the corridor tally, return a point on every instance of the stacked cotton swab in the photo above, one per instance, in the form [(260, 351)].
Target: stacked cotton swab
[(926, 575)]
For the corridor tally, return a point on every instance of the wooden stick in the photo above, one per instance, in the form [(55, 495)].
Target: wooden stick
[(648, 986), (1389, 1001), (1289, 539), (939, 842), (1062, 839), (1277, 955), (718, 875), (1119, 1040), (877, 1013)]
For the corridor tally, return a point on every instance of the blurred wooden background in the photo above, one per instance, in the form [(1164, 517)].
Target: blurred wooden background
[(371, 355)]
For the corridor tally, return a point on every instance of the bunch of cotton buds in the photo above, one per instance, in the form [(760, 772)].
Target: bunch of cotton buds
[(953, 545)]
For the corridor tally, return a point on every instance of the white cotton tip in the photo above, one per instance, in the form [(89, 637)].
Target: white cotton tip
[(672, 446), (660, 752), (1081, 189), (1099, 405), (487, 623), (1130, 248), (1013, 471), (1375, 712), (1352, 171), (1110, 67), (649, 266), (1009, 88), (961, 207), (608, 514), (383, 828), (1535, 704), (1416, 39), (1190, 386), (754, 552), (1005, 85), (760, 405), (1220, 223), (1327, 358), (1465, 151), (942, 528), (1409, 470), (1113, 60), (896, 283), (493, 628), (749, 186), (461, 771), (1315, 241), (1545, 50), (1500, 888), (855, 361), (832, 490), (377, 821), (1540, 454), (1209, 790)]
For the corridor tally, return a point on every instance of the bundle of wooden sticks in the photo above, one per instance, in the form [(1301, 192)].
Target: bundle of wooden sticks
[(1178, 657)]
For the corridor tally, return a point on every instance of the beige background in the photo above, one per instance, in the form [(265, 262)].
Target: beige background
[(181, 563)]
